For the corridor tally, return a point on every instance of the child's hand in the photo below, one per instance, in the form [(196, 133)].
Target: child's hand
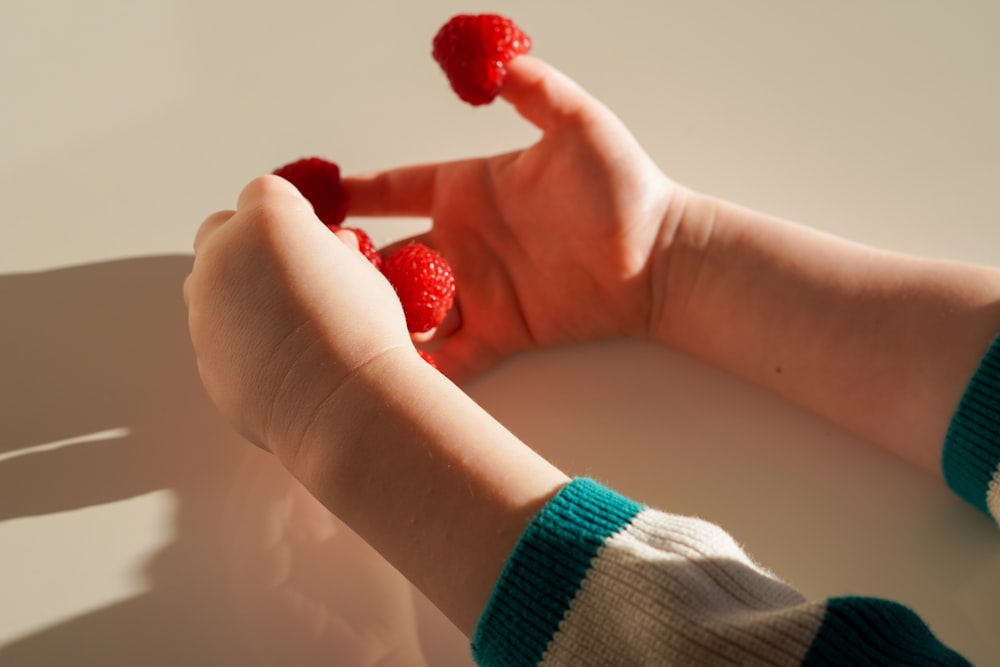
[(303, 347), (551, 244), (281, 312)]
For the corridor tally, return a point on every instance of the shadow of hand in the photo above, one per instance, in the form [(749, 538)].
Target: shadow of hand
[(101, 402), (306, 585)]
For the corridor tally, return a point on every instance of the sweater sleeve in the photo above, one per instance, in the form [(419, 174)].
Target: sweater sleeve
[(598, 579), (971, 458)]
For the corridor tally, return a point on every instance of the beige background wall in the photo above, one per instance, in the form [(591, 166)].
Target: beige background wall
[(135, 529)]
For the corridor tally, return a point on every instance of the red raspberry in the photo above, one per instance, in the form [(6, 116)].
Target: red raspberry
[(474, 49), (428, 358), (319, 181), (424, 282), (366, 246)]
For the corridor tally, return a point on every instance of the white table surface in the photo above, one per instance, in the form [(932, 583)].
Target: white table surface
[(136, 529)]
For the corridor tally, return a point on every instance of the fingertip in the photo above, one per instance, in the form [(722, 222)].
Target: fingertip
[(266, 187), (542, 94), (209, 225), (349, 238), (524, 68)]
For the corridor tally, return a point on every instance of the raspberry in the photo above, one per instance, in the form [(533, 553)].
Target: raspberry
[(428, 358), (366, 246), (319, 181), (474, 49), (424, 283)]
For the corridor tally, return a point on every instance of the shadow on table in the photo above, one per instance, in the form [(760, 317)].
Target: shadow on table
[(257, 572)]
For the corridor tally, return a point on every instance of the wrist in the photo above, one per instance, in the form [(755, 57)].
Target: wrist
[(427, 477), (346, 422), (677, 259)]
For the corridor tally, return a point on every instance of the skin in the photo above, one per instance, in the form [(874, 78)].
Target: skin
[(378, 436), (578, 212), (328, 379), (881, 344)]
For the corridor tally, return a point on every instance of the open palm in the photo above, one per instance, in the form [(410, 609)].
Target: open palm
[(551, 244)]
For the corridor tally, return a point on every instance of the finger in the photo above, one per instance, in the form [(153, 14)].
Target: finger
[(462, 357), (406, 191), (209, 225), (348, 238), (451, 323), (273, 191), (543, 95), (186, 291), (271, 199)]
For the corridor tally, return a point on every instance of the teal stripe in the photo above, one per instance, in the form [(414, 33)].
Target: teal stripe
[(545, 571), (972, 445), (868, 632)]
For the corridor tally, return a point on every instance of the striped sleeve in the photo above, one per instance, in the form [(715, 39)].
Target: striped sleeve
[(597, 579), (971, 458)]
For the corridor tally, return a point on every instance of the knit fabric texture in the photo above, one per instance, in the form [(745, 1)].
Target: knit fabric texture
[(971, 458), (545, 571), (599, 580)]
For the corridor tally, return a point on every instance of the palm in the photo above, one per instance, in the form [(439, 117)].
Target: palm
[(550, 244)]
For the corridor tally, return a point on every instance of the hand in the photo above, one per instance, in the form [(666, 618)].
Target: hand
[(552, 244), (282, 312), (303, 347)]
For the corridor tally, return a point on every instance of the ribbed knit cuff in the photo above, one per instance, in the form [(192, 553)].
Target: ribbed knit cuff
[(971, 459), (545, 571), (868, 632)]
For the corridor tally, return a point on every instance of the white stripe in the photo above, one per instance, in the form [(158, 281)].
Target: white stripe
[(993, 495), (677, 590)]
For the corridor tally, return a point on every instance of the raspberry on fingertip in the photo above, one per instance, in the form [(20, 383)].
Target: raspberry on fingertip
[(319, 181), (474, 49)]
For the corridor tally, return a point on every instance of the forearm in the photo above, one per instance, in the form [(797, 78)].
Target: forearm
[(881, 344), (427, 477)]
